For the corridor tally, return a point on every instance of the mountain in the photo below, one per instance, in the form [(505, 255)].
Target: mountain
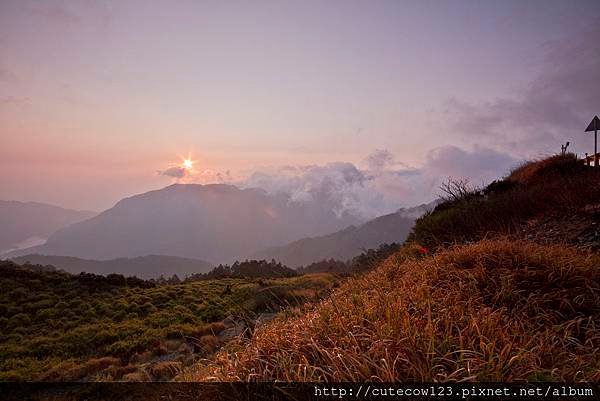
[(24, 224), (349, 242), (146, 267), (216, 223)]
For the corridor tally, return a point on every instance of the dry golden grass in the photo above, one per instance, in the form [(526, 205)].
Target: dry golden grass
[(493, 310), (549, 167), (165, 370), (71, 371)]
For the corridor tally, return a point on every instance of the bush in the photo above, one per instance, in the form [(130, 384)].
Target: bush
[(71, 371), (371, 258), (44, 314), (147, 308), (165, 370), (20, 319), (212, 313)]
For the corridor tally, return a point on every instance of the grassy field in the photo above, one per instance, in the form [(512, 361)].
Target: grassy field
[(57, 326), (489, 311)]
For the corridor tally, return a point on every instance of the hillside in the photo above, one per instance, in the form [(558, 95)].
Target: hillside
[(145, 267), (217, 223), (480, 301), (550, 200), (349, 242), (27, 223), (55, 326)]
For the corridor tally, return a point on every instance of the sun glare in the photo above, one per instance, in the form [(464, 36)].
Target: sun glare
[(187, 164)]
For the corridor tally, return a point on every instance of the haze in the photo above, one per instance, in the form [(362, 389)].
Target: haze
[(98, 100)]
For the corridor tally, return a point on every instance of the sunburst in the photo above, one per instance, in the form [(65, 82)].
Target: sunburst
[(187, 164)]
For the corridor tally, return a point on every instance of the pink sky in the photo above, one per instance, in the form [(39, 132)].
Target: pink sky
[(96, 97)]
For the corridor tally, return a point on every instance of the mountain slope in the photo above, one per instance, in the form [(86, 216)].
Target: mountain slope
[(217, 223), (56, 326), (494, 310), (30, 222), (349, 242), (484, 300), (146, 267)]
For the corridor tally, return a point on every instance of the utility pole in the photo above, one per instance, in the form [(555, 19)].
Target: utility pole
[(594, 126)]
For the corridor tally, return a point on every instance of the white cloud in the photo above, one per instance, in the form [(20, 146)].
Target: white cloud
[(385, 185), (174, 172)]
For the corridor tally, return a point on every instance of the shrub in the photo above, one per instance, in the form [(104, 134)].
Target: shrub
[(212, 313), (44, 314), (165, 370), (20, 319), (72, 371), (371, 258), (207, 344), (136, 377), (147, 308)]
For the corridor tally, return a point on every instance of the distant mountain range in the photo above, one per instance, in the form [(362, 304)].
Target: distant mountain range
[(23, 224), (217, 223), (349, 242), (146, 267)]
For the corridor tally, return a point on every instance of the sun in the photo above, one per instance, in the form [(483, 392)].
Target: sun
[(187, 164)]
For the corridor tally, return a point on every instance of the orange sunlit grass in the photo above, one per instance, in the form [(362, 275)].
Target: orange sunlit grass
[(496, 310)]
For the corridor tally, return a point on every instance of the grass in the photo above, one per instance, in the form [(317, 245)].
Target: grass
[(56, 326), (548, 169), (554, 186), (488, 311)]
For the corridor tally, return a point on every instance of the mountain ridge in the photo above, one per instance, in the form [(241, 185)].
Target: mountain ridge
[(348, 242), (145, 267), (33, 221), (214, 222)]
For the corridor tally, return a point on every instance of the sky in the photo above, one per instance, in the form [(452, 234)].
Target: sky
[(374, 102)]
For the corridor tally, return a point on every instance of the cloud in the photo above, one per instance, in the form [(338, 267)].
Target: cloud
[(174, 172), (337, 186), (385, 184), (553, 109), (380, 159), (480, 164), (409, 186), (189, 176), (209, 176)]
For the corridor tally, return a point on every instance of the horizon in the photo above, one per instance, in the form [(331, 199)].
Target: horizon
[(103, 100)]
